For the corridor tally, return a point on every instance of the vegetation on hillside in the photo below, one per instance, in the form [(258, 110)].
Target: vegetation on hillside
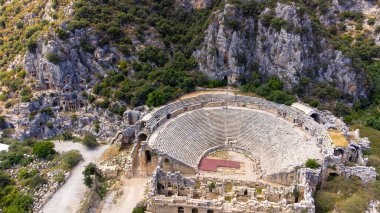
[(19, 176), (162, 72), (22, 22)]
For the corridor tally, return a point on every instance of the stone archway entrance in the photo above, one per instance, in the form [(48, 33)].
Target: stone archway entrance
[(316, 117)]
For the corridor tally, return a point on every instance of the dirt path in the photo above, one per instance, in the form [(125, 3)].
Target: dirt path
[(67, 199), (133, 191)]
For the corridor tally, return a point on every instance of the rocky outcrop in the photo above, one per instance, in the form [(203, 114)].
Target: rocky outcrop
[(64, 65), (285, 53), (194, 4), (62, 70), (226, 51), (232, 46), (366, 174)]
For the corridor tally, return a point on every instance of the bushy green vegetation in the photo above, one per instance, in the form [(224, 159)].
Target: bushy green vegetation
[(14, 32), (44, 149), (162, 73), (53, 58), (17, 162), (94, 179), (11, 199), (138, 210), (272, 89), (351, 15), (71, 158), (312, 164), (90, 140)]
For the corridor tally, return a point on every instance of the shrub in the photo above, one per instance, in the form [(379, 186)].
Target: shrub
[(66, 135), (233, 24), (325, 201), (152, 54), (138, 210), (89, 140), (36, 181), (5, 180), (71, 158), (374, 123), (3, 122), (48, 111), (377, 29), (250, 8), (371, 21), (216, 83), (75, 24), (53, 58), (353, 204), (25, 174), (97, 126), (281, 97), (212, 186), (91, 174), (43, 149), (90, 169), (115, 32), (359, 26), (156, 98), (88, 181), (31, 45), (59, 178), (62, 34), (19, 24), (312, 164), (17, 202), (352, 15), (88, 48), (279, 23), (31, 30)]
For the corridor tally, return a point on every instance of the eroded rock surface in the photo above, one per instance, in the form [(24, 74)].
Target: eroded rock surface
[(236, 45)]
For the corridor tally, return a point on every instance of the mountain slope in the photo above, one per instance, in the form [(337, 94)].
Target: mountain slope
[(91, 55)]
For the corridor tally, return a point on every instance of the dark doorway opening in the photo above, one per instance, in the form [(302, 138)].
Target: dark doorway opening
[(148, 156)]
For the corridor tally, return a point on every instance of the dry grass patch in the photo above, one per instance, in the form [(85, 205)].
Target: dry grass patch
[(111, 152), (228, 187), (338, 138)]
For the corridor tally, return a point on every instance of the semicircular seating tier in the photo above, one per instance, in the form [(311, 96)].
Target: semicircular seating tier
[(277, 143)]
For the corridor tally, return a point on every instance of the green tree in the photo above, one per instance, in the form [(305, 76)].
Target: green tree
[(43, 149), (152, 54), (92, 175), (156, 98)]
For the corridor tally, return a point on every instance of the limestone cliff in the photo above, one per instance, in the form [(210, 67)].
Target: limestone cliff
[(234, 43), (70, 67), (225, 50)]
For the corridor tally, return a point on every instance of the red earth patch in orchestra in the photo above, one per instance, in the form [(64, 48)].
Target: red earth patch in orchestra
[(211, 165)]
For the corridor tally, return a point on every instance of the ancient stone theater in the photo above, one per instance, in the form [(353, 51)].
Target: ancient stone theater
[(223, 152)]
